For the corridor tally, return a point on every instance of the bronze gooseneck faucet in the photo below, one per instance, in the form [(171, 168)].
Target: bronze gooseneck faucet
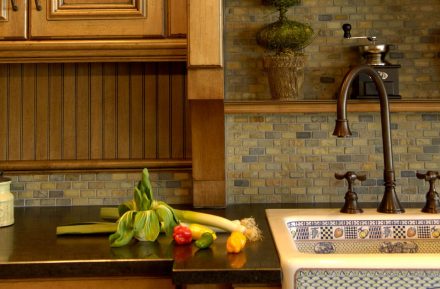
[(390, 203)]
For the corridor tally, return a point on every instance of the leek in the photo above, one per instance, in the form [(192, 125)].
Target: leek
[(87, 228)]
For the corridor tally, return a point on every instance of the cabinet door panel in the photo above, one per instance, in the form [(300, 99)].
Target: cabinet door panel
[(97, 19), (177, 18), (13, 21)]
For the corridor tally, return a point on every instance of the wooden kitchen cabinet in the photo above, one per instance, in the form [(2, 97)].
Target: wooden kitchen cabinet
[(92, 19), (13, 19), (40, 31), (96, 19)]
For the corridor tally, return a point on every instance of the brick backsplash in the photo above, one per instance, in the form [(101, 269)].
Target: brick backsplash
[(292, 158), (76, 189), (409, 27)]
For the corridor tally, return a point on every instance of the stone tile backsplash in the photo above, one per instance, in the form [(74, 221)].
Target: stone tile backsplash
[(411, 28), (292, 158), (76, 189)]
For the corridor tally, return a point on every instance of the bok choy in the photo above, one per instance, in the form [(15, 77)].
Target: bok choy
[(143, 218)]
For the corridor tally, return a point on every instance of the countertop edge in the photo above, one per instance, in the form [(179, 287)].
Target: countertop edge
[(86, 268)]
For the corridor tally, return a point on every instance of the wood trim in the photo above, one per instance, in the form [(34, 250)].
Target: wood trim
[(59, 10), (90, 283), (256, 286), (208, 139), (209, 194), (62, 51), (206, 83), (208, 143), (206, 94), (242, 107), (205, 33), (208, 286), (91, 165), (177, 18)]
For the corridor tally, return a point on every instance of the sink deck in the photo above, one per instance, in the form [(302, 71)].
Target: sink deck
[(325, 240)]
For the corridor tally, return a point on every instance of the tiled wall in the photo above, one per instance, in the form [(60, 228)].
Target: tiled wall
[(76, 189), (410, 27), (292, 158)]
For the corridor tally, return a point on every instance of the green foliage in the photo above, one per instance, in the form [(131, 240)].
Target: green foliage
[(285, 36), (125, 231), (142, 217)]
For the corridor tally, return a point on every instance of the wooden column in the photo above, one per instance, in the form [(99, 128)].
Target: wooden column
[(206, 95)]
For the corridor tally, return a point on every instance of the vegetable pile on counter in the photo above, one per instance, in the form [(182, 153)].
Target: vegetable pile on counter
[(144, 218)]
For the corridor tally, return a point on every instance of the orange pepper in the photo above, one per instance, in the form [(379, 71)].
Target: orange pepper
[(235, 242)]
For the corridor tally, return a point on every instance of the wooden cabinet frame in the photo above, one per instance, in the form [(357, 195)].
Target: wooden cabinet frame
[(206, 95)]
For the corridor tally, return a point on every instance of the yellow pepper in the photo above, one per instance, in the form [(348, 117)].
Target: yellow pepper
[(198, 230), (235, 242)]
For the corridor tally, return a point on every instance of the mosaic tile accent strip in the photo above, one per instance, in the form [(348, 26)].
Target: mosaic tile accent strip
[(363, 279), (369, 246), (364, 229)]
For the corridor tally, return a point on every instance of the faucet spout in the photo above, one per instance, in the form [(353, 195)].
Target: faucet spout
[(390, 202)]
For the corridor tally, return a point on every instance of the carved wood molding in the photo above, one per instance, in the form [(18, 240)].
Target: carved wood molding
[(95, 10), (62, 51), (93, 165), (241, 107)]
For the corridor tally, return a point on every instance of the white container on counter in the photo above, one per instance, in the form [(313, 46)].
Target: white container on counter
[(6, 202)]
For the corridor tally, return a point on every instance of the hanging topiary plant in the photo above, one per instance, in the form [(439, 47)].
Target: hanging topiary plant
[(284, 36)]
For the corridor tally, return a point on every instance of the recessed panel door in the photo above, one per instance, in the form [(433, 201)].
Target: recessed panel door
[(97, 18), (13, 19)]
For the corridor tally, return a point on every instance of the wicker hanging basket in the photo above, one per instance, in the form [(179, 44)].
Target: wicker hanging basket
[(286, 76)]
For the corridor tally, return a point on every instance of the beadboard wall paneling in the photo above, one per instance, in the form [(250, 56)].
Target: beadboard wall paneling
[(94, 111)]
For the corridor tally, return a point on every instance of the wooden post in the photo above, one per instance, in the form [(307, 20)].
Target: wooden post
[(206, 95)]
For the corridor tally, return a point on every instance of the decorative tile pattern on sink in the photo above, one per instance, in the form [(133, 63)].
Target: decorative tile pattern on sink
[(369, 246), (364, 229), (363, 279)]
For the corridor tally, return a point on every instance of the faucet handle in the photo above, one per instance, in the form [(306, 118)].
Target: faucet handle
[(350, 177), (429, 176), (351, 205), (432, 197)]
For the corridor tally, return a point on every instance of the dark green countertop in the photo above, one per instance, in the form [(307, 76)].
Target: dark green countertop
[(30, 249)]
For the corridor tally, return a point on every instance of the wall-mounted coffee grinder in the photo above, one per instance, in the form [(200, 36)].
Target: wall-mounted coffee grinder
[(374, 54)]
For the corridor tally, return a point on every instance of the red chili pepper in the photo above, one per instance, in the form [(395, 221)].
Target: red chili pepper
[(182, 235)]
